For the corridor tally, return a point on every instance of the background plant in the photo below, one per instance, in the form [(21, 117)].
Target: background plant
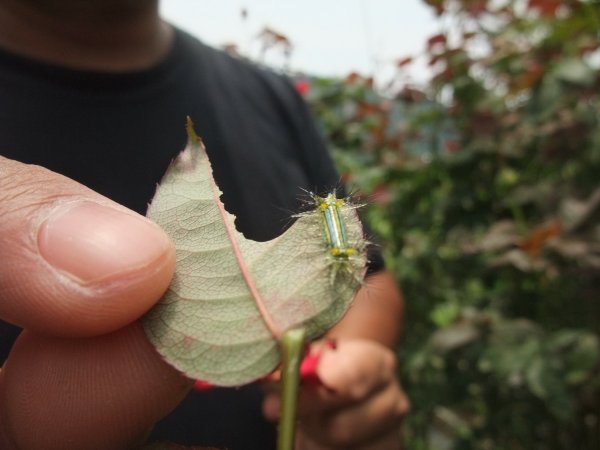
[(484, 191)]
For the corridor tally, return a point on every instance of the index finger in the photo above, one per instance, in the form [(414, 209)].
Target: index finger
[(351, 373)]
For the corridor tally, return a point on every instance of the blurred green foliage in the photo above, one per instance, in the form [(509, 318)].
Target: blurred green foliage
[(484, 189)]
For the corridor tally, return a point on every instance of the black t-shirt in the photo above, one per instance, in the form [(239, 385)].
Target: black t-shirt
[(117, 133)]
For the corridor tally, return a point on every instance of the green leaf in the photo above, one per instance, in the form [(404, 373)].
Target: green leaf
[(231, 298), (575, 71), (546, 383), (580, 352)]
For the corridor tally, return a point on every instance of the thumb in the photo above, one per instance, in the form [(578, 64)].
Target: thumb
[(73, 262)]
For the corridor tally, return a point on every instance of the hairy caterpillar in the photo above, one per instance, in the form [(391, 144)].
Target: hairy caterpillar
[(346, 251), (335, 226)]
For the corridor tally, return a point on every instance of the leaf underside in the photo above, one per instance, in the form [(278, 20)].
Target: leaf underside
[(208, 324)]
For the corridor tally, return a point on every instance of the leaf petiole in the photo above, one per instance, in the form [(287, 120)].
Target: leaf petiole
[(292, 347)]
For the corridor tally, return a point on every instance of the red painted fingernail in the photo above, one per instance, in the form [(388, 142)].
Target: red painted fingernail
[(201, 385), (308, 370)]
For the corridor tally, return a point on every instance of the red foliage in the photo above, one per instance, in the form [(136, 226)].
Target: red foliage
[(535, 241), (438, 5), (477, 8), (532, 74), (381, 195), (438, 40), (452, 146), (411, 95), (545, 7), (404, 61), (356, 78)]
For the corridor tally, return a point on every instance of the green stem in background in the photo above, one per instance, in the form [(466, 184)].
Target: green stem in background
[(292, 347)]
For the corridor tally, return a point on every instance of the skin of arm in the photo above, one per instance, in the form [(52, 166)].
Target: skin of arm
[(376, 312)]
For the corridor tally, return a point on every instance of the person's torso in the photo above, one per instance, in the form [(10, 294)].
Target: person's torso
[(117, 134)]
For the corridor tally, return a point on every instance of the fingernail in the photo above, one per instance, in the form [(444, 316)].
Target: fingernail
[(91, 243)]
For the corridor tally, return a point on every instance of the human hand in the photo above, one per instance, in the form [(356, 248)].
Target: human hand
[(77, 270), (359, 406)]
